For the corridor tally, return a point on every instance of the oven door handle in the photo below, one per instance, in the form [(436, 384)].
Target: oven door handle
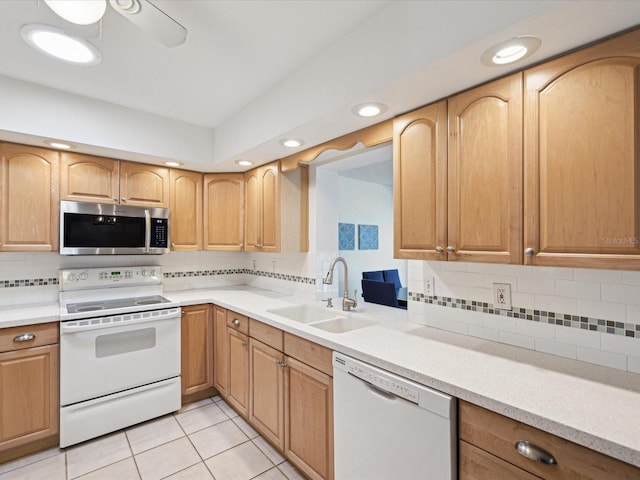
[(72, 326), (147, 230)]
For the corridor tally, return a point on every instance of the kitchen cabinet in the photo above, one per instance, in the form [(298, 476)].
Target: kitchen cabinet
[(29, 399), (197, 334), (238, 362), (220, 349), (582, 171), (458, 177), (224, 211), (276, 209), (104, 180), (185, 195), (266, 382), (487, 452), (29, 198), (308, 407)]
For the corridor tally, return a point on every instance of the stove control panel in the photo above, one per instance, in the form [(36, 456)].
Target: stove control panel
[(83, 278)]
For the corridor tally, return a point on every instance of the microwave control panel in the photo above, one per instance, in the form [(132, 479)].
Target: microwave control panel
[(159, 233)]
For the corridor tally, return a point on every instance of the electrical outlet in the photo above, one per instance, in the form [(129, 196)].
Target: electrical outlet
[(254, 265), (430, 286), (273, 266), (502, 296)]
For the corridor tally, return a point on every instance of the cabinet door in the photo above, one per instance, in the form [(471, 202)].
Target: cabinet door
[(476, 464), (582, 161), (224, 211), (144, 185), (29, 199), (29, 404), (85, 178), (238, 370), (309, 419), (270, 199), (266, 406), (186, 210), (420, 183), (485, 173), (252, 211), (220, 349), (197, 349)]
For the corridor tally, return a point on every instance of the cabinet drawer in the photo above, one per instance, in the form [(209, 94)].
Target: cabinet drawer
[(498, 435), (476, 464), (267, 334), (238, 322), (43, 334), (312, 354)]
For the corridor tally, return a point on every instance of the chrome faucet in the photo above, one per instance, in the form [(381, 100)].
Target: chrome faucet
[(347, 303)]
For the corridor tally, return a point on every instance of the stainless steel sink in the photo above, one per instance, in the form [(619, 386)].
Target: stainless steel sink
[(341, 325), (305, 313)]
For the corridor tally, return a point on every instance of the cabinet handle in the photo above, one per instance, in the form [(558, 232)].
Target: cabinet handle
[(529, 252), (236, 322), (439, 249), (534, 452), (25, 337), (450, 249)]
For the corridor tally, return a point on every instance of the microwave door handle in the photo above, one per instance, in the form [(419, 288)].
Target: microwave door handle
[(147, 230)]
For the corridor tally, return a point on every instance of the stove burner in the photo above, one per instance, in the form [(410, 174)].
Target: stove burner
[(90, 308), (115, 303), (150, 301)]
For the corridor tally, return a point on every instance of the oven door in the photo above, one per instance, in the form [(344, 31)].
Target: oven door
[(104, 355)]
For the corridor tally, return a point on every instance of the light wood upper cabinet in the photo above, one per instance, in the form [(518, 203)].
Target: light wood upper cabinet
[(224, 211), (485, 173), (262, 218), (86, 178), (220, 349), (582, 160), (29, 198), (186, 209), (197, 349), (144, 185), (420, 183)]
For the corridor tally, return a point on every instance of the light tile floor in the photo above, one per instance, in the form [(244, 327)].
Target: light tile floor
[(205, 440)]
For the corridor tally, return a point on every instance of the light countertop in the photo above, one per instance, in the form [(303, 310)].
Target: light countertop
[(594, 406)]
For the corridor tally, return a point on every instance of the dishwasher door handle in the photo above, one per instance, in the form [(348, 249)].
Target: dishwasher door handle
[(383, 393)]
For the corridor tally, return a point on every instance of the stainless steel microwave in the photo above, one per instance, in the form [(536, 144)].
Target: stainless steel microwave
[(104, 229)]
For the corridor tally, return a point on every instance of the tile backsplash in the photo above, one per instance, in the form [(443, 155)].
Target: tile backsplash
[(584, 314)]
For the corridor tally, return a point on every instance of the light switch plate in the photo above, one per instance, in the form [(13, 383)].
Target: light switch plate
[(429, 286), (502, 296)]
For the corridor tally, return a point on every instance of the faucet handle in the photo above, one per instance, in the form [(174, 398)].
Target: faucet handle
[(355, 298), (328, 300)]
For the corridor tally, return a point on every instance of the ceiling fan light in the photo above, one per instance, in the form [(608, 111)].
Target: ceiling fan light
[(54, 42), (80, 12)]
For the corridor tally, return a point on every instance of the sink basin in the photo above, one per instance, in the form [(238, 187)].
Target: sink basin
[(341, 325), (305, 313)]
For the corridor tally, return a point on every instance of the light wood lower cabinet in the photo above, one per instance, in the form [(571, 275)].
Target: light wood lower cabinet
[(238, 362), (220, 349), (29, 399), (487, 452), (197, 351)]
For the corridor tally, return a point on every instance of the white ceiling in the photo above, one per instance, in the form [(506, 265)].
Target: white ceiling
[(252, 72)]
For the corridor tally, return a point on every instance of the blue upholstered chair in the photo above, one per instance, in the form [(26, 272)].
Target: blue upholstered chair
[(393, 277), (383, 293), (374, 275)]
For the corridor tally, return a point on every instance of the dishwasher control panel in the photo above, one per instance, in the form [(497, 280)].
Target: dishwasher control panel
[(379, 379)]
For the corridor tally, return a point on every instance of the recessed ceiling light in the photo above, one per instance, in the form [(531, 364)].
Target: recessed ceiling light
[(54, 42), (244, 163), (173, 164), (80, 12), (510, 51), (60, 145), (369, 109), (291, 142)]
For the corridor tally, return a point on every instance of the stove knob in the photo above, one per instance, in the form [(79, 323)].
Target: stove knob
[(144, 272), (83, 276), (71, 277)]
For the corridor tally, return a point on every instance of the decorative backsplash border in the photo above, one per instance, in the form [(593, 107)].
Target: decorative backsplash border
[(542, 316), (250, 271), (28, 282)]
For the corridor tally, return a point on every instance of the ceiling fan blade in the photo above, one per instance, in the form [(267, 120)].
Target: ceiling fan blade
[(152, 20)]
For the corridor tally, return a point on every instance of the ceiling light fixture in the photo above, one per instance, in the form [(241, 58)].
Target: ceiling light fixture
[(54, 42), (291, 142), (244, 163), (172, 164), (80, 12), (60, 145), (510, 51), (369, 109)]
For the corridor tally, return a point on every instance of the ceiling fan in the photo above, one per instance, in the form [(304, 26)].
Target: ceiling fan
[(142, 13)]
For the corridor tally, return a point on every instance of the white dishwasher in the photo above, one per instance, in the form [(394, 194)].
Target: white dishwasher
[(388, 427)]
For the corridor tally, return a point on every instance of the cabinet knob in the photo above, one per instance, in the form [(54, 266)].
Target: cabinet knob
[(529, 252), (236, 322), (244, 344), (182, 312), (25, 337), (450, 249), (123, 199), (258, 245), (439, 249), (534, 452), (115, 199)]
